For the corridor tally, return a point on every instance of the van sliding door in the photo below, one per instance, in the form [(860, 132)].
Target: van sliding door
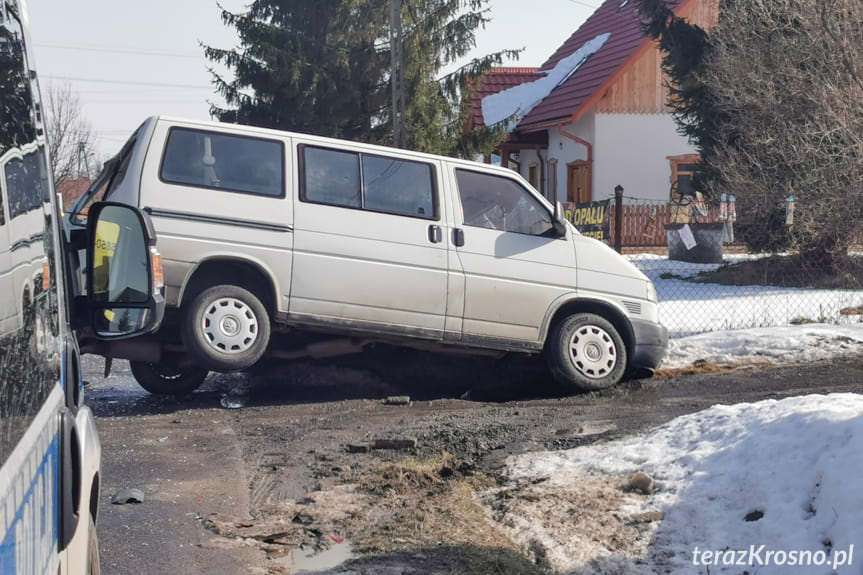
[(369, 246)]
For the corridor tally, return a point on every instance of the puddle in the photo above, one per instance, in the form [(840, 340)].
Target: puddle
[(310, 559)]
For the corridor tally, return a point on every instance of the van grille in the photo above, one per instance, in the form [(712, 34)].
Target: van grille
[(632, 307)]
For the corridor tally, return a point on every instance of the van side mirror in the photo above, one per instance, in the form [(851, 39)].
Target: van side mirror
[(124, 272), (559, 220)]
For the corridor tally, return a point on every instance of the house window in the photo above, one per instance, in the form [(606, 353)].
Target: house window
[(532, 176), (683, 170), (578, 182), (552, 180)]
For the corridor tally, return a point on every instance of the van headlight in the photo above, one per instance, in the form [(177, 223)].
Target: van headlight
[(652, 296)]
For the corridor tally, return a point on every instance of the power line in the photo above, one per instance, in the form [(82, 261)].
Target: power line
[(144, 101), (128, 82), (585, 4), (105, 50)]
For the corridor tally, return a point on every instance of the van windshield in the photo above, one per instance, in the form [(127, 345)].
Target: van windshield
[(106, 182)]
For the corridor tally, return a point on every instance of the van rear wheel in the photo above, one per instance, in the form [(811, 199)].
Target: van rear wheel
[(166, 378), (585, 351), (226, 328)]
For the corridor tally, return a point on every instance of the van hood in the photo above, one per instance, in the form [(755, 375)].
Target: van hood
[(595, 255)]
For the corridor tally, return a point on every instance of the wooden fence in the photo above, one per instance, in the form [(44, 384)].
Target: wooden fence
[(644, 224)]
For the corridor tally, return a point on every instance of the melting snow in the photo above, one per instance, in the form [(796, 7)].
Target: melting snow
[(766, 345), (783, 474), (518, 101)]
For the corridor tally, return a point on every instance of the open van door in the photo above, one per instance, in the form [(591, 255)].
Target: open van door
[(124, 273)]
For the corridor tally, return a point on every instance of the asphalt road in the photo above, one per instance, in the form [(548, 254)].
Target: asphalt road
[(288, 434)]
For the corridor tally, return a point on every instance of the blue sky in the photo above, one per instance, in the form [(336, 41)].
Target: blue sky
[(147, 58)]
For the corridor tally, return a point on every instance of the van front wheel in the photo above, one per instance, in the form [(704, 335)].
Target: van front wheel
[(226, 328), (585, 351)]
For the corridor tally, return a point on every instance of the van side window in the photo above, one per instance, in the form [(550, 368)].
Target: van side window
[(224, 162), (502, 204), (332, 177), (374, 183), (398, 186)]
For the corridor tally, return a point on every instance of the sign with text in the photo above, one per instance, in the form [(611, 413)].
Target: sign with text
[(592, 219)]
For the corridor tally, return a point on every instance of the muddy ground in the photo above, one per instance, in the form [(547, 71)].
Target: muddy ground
[(287, 465)]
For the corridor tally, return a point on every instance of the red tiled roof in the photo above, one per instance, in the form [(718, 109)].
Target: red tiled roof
[(624, 25), (497, 80), (71, 190)]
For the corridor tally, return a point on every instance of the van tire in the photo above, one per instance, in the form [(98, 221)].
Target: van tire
[(167, 379), (585, 351), (93, 563), (215, 322)]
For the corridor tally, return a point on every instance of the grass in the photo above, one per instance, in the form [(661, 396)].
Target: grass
[(423, 502), (786, 271)]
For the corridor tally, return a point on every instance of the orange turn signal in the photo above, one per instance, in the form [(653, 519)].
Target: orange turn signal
[(158, 273)]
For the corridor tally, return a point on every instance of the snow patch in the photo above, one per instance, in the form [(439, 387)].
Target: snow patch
[(687, 307), (797, 461), (518, 101), (765, 345)]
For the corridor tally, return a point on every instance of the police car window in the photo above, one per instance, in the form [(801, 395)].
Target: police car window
[(24, 184)]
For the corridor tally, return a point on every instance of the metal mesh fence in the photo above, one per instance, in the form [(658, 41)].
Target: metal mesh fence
[(715, 272)]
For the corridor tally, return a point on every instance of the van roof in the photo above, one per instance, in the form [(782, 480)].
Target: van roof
[(332, 141)]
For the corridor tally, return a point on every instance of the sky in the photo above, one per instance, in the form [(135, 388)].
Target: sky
[(130, 60)]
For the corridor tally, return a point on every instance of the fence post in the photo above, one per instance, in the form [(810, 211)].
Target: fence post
[(618, 218)]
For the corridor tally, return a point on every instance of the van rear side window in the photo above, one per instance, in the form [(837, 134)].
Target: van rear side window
[(224, 162)]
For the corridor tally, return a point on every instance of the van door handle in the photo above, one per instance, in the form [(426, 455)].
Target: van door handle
[(435, 234), (458, 237)]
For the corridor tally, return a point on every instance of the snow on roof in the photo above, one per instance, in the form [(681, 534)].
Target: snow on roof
[(623, 22), (497, 80), (515, 103)]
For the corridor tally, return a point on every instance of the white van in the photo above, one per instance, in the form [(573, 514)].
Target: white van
[(323, 238)]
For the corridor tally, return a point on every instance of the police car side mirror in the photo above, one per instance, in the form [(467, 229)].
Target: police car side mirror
[(124, 272)]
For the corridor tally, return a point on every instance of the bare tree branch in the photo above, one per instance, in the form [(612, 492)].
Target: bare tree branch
[(69, 134), (785, 72)]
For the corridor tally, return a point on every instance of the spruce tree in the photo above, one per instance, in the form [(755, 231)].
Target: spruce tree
[(314, 67), (685, 49), (323, 67), (438, 33)]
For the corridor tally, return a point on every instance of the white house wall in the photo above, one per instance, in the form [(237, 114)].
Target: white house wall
[(565, 150), (526, 158), (632, 150)]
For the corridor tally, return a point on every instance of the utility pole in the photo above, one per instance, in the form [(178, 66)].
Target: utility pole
[(397, 74), (83, 160)]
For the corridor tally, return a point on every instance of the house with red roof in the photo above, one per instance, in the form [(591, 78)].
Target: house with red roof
[(595, 115), (71, 190)]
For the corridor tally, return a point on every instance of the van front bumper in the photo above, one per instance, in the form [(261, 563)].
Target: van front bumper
[(650, 345)]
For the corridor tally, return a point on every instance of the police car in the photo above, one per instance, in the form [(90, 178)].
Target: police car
[(49, 448)]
